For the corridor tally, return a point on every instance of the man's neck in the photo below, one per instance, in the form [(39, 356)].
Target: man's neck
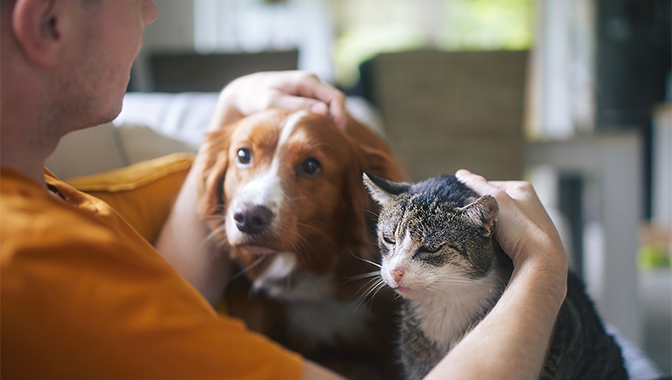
[(25, 157), (28, 130), (34, 172), (25, 143)]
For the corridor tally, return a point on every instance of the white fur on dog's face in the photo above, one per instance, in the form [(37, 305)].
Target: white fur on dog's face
[(264, 188), (309, 212)]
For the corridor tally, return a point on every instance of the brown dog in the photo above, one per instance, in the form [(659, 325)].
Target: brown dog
[(283, 196)]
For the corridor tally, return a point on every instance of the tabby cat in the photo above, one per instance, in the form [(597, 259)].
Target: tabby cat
[(438, 253)]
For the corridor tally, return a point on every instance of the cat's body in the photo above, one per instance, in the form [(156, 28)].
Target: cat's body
[(438, 253)]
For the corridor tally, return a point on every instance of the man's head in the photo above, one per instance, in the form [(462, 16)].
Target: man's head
[(72, 56)]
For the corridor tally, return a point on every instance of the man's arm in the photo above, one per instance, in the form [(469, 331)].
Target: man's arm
[(312, 371), (183, 241), (512, 340)]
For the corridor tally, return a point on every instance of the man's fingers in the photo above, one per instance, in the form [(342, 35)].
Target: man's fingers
[(310, 86), (337, 112), (292, 90), (297, 103), (519, 190), (336, 101), (476, 182)]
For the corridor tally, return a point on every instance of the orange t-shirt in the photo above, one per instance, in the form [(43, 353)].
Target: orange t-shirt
[(85, 296)]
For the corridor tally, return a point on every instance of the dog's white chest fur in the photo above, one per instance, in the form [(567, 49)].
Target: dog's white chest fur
[(325, 321), (313, 310)]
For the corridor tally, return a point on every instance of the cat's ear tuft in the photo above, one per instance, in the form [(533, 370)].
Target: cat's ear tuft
[(383, 191), (482, 212)]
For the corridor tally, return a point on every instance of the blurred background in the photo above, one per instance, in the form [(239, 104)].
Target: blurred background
[(573, 95)]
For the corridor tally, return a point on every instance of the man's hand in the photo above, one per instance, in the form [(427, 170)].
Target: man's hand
[(291, 90), (511, 341), (524, 230)]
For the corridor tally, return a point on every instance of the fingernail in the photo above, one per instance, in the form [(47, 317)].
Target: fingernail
[(462, 172), (319, 108)]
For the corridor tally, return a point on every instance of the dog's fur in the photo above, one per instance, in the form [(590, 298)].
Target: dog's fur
[(312, 232)]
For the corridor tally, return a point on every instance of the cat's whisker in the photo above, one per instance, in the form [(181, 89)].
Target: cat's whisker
[(441, 289), (369, 284), (362, 299), (452, 281), (364, 260), (369, 211), (368, 297), (382, 285), (363, 275)]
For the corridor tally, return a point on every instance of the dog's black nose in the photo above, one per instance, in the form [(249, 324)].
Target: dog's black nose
[(253, 219)]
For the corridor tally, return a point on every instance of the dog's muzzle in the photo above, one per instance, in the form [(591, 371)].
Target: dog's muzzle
[(252, 219)]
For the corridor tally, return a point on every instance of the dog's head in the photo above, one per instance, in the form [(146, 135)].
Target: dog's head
[(282, 191)]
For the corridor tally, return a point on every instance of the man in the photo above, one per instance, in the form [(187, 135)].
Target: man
[(84, 296)]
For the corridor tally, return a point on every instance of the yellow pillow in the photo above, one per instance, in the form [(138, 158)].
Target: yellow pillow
[(142, 193)]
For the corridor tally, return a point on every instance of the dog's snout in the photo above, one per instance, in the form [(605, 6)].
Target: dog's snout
[(253, 219)]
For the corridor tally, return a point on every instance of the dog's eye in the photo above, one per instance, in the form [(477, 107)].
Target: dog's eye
[(311, 167), (244, 157)]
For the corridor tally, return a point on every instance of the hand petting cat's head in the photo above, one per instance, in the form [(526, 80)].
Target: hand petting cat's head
[(434, 235)]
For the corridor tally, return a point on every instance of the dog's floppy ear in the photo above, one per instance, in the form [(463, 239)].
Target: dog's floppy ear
[(382, 164), (363, 209), (359, 204), (213, 171)]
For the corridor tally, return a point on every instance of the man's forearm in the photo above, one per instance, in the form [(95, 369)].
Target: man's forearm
[(512, 340), (183, 242)]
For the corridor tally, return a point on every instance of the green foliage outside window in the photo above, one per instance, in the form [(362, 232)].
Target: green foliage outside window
[(370, 27)]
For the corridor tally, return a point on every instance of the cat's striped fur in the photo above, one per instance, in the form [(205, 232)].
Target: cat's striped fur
[(438, 253)]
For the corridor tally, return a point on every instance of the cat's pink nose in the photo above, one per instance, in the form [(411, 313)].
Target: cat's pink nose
[(397, 274)]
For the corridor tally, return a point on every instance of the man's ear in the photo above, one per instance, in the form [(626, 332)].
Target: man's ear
[(39, 27)]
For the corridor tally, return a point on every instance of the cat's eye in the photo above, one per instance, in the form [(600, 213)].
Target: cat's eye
[(388, 240), (429, 249), (243, 157)]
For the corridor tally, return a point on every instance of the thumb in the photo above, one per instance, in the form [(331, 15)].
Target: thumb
[(477, 183)]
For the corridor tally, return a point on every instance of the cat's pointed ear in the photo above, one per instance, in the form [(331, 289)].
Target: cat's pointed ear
[(382, 190), (483, 213)]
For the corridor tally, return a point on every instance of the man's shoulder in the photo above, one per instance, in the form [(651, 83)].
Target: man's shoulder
[(31, 218)]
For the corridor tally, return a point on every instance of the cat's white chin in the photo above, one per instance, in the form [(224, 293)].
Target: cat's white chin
[(405, 292)]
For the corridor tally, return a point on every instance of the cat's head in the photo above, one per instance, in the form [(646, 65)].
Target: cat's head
[(435, 235)]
